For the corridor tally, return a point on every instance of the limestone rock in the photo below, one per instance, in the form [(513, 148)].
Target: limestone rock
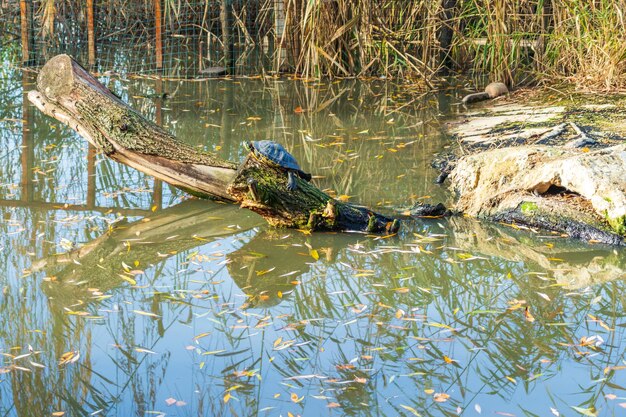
[(501, 180)]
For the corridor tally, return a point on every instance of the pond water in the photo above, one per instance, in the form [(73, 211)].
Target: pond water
[(121, 296)]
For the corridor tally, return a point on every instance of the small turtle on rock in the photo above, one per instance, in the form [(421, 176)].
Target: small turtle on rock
[(273, 154)]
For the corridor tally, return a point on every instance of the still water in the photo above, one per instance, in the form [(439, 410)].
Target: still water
[(121, 296)]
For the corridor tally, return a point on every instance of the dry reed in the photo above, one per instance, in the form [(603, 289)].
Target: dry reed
[(581, 41)]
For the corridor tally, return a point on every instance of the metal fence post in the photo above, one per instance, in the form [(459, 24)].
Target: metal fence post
[(91, 35), (25, 29), (158, 20)]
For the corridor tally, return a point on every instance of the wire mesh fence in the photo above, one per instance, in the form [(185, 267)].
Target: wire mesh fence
[(185, 38), (569, 39)]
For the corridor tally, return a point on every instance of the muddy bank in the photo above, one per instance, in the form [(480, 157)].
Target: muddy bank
[(559, 167)]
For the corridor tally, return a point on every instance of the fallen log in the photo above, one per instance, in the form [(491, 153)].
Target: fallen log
[(70, 94)]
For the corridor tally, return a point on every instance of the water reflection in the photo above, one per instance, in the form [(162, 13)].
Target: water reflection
[(197, 308)]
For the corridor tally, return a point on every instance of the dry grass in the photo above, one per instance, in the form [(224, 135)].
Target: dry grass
[(581, 41)]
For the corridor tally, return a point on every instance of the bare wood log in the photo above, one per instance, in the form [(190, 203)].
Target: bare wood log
[(67, 92)]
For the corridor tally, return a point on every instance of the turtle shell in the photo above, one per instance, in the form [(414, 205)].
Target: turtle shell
[(275, 153)]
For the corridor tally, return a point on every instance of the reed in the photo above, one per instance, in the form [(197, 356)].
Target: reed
[(514, 41)]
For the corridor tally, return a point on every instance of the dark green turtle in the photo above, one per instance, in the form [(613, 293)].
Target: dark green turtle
[(274, 154)]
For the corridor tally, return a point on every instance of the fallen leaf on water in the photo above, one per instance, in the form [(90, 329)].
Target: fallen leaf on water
[(411, 409), (170, 401), (295, 398), (298, 110), (69, 357), (544, 296), (529, 317), (441, 397), (591, 412), (143, 350), (613, 368), (201, 335), (145, 313), (263, 272)]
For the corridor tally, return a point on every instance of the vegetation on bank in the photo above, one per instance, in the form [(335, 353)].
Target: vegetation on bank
[(515, 41)]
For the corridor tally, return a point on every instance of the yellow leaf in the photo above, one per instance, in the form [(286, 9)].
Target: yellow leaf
[(295, 398), (145, 313), (201, 335), (58, 413), (441, 397), (227, 397), (69, 357), (411, 409), (259, 273), (314, 254)]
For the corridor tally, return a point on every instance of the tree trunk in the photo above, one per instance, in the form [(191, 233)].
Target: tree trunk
[(67, 92)]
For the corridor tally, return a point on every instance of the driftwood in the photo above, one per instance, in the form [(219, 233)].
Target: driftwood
[(68, 93)]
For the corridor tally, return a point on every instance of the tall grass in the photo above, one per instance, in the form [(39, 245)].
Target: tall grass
[(583, 41)]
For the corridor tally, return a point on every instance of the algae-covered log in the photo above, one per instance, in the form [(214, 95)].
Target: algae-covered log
[(67, 92), (263, 189)]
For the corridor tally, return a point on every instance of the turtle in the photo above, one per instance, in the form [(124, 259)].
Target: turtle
[(273, 154)]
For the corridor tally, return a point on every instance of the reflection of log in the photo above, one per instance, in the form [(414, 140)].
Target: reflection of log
[(572, 265), (67, 92), (98, 263), (267, 270)]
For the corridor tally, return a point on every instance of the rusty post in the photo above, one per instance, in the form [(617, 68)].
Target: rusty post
[(25, 29), (158, 20), (28, 153), (91, 35), (157, 192), (91, 176)]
